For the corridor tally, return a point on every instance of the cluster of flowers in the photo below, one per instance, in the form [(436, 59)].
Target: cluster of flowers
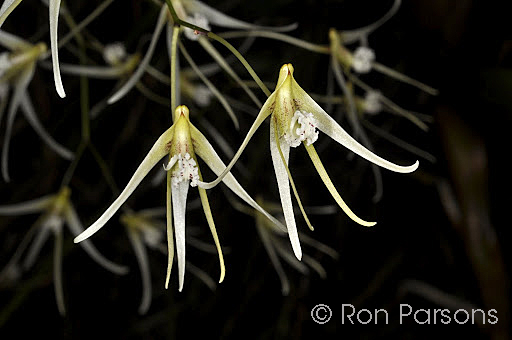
[(295, 119)]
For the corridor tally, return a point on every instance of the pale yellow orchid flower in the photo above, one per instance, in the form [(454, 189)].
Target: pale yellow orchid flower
[(295, 118), (183, 142), (17, 67), (56, 210)]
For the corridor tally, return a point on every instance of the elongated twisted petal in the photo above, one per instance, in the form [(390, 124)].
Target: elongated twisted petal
[(28, 207), (54, 20), (220, 19), (36, 246), (262, 115), (75, 226), (170, 239), (157, 152), (351, 36), (331, 128), (205, 150), (57, 272), (13, 42), (179, 205), (328, 183), (20, 88), (284, 188), (201, 275), (30, 114), (274, 259), (99, 72), (145, 61), (142, 260)]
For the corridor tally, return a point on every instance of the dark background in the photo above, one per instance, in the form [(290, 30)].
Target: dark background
[(445, 225)]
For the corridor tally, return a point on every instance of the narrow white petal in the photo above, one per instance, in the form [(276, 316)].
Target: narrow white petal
[(57, 272), (13, 42), (20, 88), (7, 7), (267, 243), (351, 36), (205, 150), (142, 260), (54, 20), (30, 114), (262, 115), (28, 207), (331, 128), (179, 206), (36, 246), (75, 226), (317, 267), (284, 188), (157, 152), (218, 18), (99, 72), (145, 61)]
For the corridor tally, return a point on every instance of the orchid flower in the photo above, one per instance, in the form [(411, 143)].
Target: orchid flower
[(295, 118), (54, 6), (183, 142), (56, 210), (17, 69), (145, 231), (272, 238)]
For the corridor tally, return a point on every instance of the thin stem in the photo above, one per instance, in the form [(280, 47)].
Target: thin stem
[(174, 45), (211, 35)]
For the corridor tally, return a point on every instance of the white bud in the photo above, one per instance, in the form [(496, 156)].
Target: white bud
[(372, 103), (114, 53), (363, 59)]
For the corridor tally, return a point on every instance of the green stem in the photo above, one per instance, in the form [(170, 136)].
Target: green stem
[(174, 45), (211, 35)]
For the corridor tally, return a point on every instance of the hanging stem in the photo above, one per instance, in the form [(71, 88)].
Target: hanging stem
[(174, 45), (211, 35)]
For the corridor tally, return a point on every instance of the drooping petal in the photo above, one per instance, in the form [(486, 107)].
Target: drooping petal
[(351, 36), (13, 42), (179, 205), (218, 18), (211, 224), (145, 61), (262, 115), (75, 226), (319, 246), (13, 263), (36, 246), (57, 272), (205, 150), (331, 128), (170, 240), (201, 275), (20, 88), (328, 183), (28, 207), (317, 267), (30, 114), (403, 78), (99, 72), (157, 152), (142, 260), (54, 20), (284, 188), (274, 259), (207, 45)]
